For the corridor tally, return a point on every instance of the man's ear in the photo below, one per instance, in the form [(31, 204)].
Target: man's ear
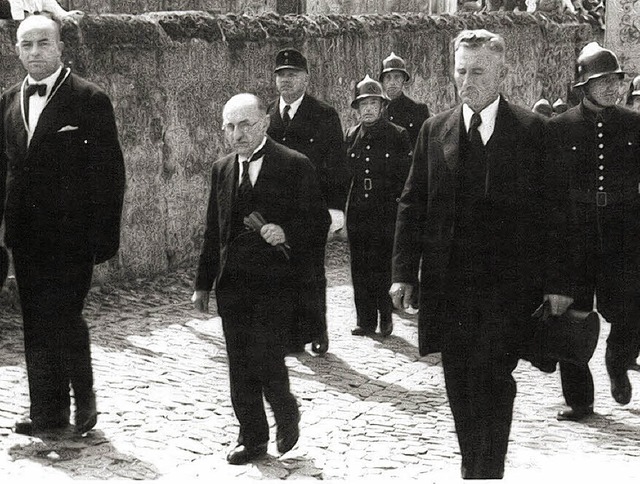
[(61, 46)]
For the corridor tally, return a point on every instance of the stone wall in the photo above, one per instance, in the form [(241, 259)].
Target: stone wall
[(169, 75), (623, 33)]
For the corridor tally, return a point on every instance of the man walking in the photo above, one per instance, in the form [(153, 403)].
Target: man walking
[(257, 268), (312, 127), (65, 187), (470, 218), (595, 154)]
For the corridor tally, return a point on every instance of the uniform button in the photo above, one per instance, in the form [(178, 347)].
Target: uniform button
[(390, 118), (601, 157), (601, 167), (386, 155), (86, 141), (311, 140), (600, 135), (284, 139), (353, 155), (397, 200), (629, 143), (600, 146), (367, 159), (599, 125), (600, 188), (411, 125), (600, 178), (366, 171), (368, 147), (574, 148), (366, 195)]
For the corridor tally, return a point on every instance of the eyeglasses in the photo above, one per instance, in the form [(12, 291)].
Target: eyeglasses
[(242, 126)]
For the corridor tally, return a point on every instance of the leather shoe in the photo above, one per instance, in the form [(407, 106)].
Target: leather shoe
[(86, 415), (386, 328), (321, 345), (621, 389), (575, 414), (287, 437), (360, 331), (243, 454), (27, 427)]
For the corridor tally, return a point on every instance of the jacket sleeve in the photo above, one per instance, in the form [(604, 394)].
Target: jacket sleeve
[(337, 174), (411, 216), (209, 262), (108, 175), (404, 152)]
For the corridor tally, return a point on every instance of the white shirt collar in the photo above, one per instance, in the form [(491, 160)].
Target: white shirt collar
[(293, 106), (49, 81), (254, 167), (488, 116)]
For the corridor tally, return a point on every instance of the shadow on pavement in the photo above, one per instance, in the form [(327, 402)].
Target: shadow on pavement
[(89, 457), (611, 427)]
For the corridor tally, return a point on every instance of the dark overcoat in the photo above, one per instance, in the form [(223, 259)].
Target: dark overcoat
[(64, 191), (425, 227), (409, 114)]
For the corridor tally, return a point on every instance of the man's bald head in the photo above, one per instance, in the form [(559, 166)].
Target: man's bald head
[(245, 122), (39, 46)]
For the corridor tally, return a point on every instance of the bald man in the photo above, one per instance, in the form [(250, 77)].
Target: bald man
[(257, 272), (65, 188)]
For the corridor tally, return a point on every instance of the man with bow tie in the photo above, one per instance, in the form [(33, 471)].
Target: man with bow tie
[(257, 282), (471, 219), (65, 188), (312, 127)]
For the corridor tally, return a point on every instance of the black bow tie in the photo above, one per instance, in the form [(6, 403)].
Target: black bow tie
[(41, 89)]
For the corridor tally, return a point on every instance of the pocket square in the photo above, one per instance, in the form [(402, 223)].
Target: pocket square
[(68, 127)]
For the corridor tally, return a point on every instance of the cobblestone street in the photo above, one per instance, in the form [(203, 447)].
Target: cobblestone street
[(371, 408)]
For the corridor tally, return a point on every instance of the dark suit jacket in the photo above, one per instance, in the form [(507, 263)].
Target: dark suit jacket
[(65, 190), (425, 227), (316, 132), (286, 193)]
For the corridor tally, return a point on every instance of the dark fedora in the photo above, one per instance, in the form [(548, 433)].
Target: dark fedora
[(4, 265), (571, 337)]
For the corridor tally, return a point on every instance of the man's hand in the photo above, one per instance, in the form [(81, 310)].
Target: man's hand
[(401, 294), (558, 303), (200, 300), (273, 234)]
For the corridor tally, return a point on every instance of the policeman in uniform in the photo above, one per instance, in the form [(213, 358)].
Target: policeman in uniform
[(379, 156), (560, 106), (543, 108), (595, 153), (312, 127), (401, 109)]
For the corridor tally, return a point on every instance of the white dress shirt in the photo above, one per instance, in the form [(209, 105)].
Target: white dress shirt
[(488, 116), (19, 7), (254, 166), (37, 103), (293, 107)]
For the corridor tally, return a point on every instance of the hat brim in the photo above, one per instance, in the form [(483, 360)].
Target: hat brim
[(292, 68), (620, 73), (356, 101), (407, 76), (635, 93)]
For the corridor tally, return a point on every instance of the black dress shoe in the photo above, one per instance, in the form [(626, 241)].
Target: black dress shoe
[(242, 454), (321, 345), (287, 437), (27, 427), (386, 328), (575, 414), (621, 389), (86, 415), (360, 331)]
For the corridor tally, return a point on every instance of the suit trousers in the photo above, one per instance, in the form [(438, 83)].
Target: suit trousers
[(56, 336), (311, 312), (254, 325), (610, 273), (370, 233), (478, 358)]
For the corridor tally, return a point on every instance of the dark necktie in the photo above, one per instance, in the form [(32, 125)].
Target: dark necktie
[(32, 89), (245, 183), (475, 140), (285, 116)]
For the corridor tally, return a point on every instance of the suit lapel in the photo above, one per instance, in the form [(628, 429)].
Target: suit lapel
[(450, 139), (227, 189), (267, 166), (17, 121), (49, 119), (504, 134)]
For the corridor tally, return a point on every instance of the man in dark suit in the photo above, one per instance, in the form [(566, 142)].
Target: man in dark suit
[(257, 273), (471, 218), (312, 127), (401, 110), (595, 151), (65, 190)]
